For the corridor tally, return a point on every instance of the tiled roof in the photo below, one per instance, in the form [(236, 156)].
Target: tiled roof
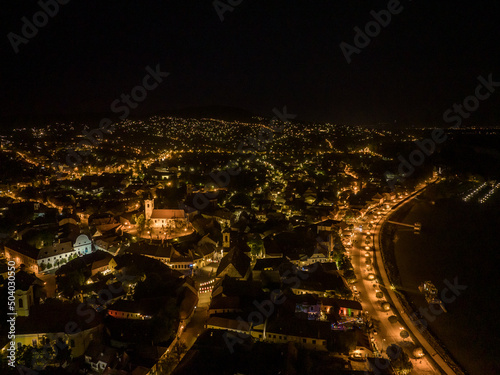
[(300, 328), (167, 214), (221, 302), (237, 259), (56, 249), (53, 318), (272, 263), (22, 247), (231, 324)]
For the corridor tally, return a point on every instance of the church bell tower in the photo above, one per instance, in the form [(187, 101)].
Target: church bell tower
[(149, 205)]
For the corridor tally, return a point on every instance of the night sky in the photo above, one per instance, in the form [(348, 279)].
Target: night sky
[(264, 54)]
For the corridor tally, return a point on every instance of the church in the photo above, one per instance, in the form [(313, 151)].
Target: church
[(164, 218)]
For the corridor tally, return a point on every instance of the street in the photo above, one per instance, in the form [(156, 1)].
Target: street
[(363, 258)]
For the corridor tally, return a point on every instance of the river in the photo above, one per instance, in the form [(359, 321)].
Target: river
[(459, 243)]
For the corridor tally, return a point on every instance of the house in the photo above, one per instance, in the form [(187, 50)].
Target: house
[(223, 305), (308, 306), (228, 324), (234, 264), (189, 302), (101, 358), (377, 199), (58, 322), (85, 261), (344, 308), (270, 268), (323, 248), (181, 262), (230, 295), (54, 255), (309, 334), (364, 346), (102, 265), (205, 252), (223, 217), (74, 220), (165, 253), (329, 226), (229, 286), (323, 281), (26, 294), (21, 252), (48, 257), (144, 309), (110, 244), (147, 308)]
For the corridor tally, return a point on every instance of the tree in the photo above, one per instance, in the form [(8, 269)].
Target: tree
[(165, 364), (256, 245), (34, 357), (141, 223), (345, 264), (349, 275), (168, 362), (178, 350), (24, 355), (400, 361), (63, 353), (241, 199), (72, 282)]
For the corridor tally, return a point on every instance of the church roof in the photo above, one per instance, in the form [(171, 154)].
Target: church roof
[(167, 214), (55, 249), (237, 259)]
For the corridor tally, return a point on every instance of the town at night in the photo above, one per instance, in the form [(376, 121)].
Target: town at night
[(243, 188)]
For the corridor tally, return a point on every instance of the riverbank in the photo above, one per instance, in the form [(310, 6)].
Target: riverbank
[(452, 245), (388, 238)]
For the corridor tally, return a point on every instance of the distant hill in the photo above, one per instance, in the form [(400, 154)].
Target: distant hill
[(218, 112), (12, 122)]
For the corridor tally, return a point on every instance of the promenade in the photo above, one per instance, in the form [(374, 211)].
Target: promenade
[(438, 359)]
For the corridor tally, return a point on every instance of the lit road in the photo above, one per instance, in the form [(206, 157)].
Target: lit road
[(196, 326), (438, 360), (387, 333)]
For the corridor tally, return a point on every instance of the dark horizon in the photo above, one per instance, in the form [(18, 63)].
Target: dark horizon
[(261, 56)]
